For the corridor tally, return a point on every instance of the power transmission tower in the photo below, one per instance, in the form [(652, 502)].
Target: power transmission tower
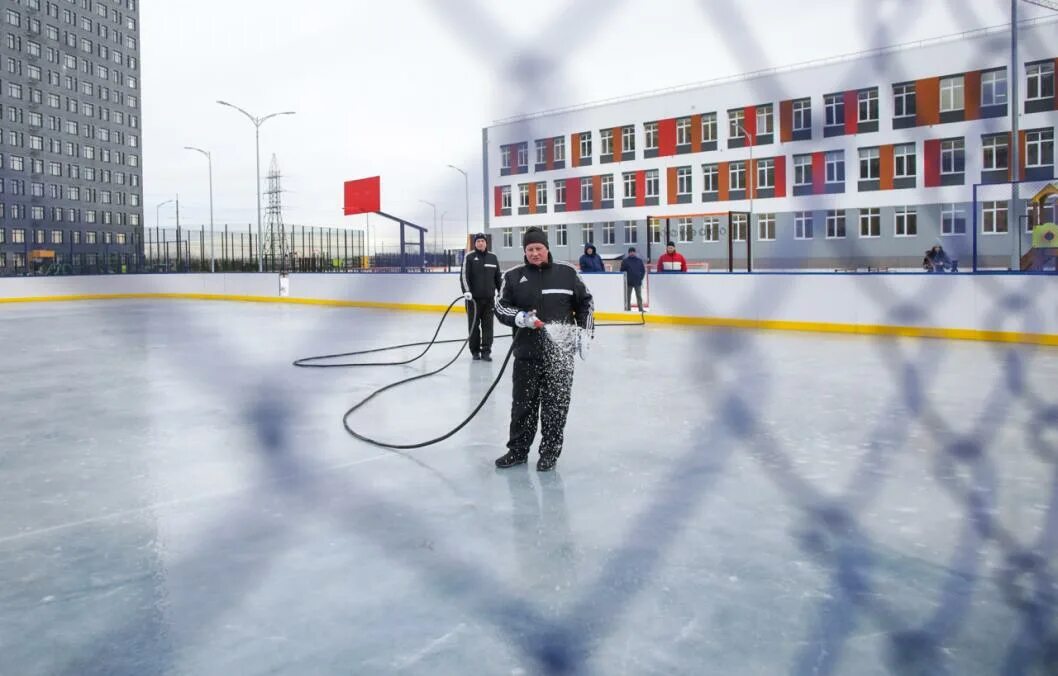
[(276, 242)]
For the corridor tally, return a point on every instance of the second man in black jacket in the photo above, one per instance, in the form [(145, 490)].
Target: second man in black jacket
[(480, 280)]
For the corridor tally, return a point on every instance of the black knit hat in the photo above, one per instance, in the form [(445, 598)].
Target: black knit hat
[(671, 243), (534, 235), (480, 235)]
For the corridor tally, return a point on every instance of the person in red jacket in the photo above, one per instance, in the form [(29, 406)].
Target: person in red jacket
[(670, 261)]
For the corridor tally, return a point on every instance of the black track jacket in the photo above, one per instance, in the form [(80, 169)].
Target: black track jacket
[(480, 274), (557, 293)]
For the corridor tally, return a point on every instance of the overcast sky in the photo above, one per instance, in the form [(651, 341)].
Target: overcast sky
[(403, 87)]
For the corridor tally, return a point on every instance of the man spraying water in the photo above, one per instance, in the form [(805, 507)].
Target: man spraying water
[(542, 294)]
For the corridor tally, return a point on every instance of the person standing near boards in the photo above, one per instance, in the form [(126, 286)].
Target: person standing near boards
[(672, 260), (480, 280), (634, 270)]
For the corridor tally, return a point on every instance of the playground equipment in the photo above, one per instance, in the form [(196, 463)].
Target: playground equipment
[(1044, 251)]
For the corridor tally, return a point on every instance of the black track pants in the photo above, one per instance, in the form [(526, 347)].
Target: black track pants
[(541, 393), (481, 331)]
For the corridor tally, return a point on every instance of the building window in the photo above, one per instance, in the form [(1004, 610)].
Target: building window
[(606, 142), (867, 101), (76, 234), (766, 227), (995, 148), (803, 225), (609, 233), (870, 223), (541, 151), (654, 226), (586, 234), (711, 229), (952, 156), (91, 237), (523, 155), (737, 176), (952, 220), (904, 99), (994, 219), (505, 157), (683, 181), (505, 197), (56, 236), (523, 196), (1040, 80), (560, 193), (710, 178), (684, 230), (951, 94), (736, 121), (765, 119), (561, 235), (560, 149), (1039, 148), (834, 106), (802, 170), (904, 160), (38, 236), (709, 127), (585, 189), (650, 133), (18, 236), (585, 145), (653, 186), (994, 87), (606, 185), (628, 140), (631, 234), (739, 227), (802, 114), (765, 174), (683, 131), (869, 164), (541, 195), (629, 180), (905, 222)]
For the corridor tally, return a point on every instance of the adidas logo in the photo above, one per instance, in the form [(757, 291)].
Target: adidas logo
[(523, 279)]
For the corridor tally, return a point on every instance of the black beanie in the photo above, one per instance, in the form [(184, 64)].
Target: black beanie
[(534, 235), (672, 244), (480, 235)]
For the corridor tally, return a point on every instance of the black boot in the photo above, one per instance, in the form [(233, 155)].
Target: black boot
[(512, 458), (547, 461), (476, 357), (486, 356)]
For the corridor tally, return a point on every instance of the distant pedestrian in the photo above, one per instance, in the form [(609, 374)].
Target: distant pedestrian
[(671, 260), (936, 260), (591, 261), (480, 279), (635, 271)]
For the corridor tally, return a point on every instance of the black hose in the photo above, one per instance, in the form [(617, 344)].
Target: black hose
[(310, 362)]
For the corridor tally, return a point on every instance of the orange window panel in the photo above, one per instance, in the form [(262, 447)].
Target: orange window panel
[(670, 184), (927, 101), (972, 94), (885, 169)]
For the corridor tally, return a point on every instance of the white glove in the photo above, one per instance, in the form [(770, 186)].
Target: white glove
[(468, 296), (527, 320)]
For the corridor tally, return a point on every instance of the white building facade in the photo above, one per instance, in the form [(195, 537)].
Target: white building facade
[(856, 163)]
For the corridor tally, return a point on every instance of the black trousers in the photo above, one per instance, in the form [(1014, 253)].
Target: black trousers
[(481, 330), (639, 296), (541, 394)]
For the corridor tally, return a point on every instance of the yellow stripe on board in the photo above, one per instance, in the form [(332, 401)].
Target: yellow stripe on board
[(715, 322)]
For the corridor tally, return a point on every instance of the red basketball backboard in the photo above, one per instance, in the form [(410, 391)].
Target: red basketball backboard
[(363, 196)]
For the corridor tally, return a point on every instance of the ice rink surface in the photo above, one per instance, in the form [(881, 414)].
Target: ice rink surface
[(177, 499)]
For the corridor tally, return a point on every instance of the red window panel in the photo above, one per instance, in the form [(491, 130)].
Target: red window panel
[(1021, 154), (852, 111), (931, 163), (497, 199), (667, 137), (819, 175), (641, 188), (750, 123), (780, 176), (785, 121), (572, 194)]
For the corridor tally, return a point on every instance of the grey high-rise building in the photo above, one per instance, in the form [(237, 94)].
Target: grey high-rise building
[(71, 195)]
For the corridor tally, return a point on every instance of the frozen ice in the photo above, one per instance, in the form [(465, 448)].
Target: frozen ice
[(177, 499)]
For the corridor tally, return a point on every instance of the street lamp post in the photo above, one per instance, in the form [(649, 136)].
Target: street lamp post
[(209, 158), (257, 122), (466, 187), (158, 222)]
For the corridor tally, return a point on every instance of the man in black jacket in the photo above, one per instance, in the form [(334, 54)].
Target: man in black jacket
[(634, 271), (553, 311), (480, 278)]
